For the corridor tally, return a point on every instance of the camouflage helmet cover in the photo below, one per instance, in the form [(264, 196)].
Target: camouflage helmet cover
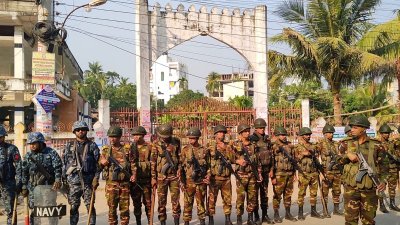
[(3, 131), (220, 128), (35, 137), (79, 125), (359, 120), (305, 131), (139, 130), (328, 129), (242, 127), (193, 132), (385, 129), (280, 131), (165, 131), (347, 129), (260, 123), (114, 131)]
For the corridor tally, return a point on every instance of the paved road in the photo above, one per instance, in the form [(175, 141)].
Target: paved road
[(382, 219)]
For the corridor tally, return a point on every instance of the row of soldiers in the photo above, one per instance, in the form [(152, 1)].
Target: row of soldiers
[(140, 170)]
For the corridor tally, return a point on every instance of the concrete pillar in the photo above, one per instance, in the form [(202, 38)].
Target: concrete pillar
[(305, 112), (19, 137), (143, 58), (104, 113), (19, 53), (260, 101)]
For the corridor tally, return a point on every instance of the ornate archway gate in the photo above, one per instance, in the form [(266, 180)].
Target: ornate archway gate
[(158, 31)]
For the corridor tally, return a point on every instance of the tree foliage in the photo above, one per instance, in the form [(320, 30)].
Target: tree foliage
[(242, 101), (184, 97)]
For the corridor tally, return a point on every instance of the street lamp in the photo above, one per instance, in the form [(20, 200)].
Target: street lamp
[(92, 3)]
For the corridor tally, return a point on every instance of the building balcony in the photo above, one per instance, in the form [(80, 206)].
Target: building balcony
[(11, 84)]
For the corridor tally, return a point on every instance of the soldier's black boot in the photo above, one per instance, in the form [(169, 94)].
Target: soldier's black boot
[(210, 220), (301, 215), (314, 212), (277, 218), (228, 219), (250, 220), (239, 220), (336, 210), (202, 222), (176, 221), (138, 220), (162, 222), (382, 206), (393, 205), (256, 216), (265, 218), (288, 215), (187, 222)]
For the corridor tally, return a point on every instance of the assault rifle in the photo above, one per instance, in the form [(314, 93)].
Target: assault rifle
[(122, 169), (198, 171), (293, 161), (41, 169), (319, 166), (365, 169), (392, 159), (334, 162), (171, 165), (254, 168), (227, 164)]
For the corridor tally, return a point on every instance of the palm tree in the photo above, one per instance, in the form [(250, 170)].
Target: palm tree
[(183, 83), (213, 83), (323, 47)]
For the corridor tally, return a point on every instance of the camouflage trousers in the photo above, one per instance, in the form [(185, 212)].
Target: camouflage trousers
[(305, 180), (335, 179), (224, 185), (263, 191), (74, 199), (117, 194), (7, 194), (360, 204), (250, 191), (283, 186), (162, 193), (198, 192), (392, 179), (140, 197)]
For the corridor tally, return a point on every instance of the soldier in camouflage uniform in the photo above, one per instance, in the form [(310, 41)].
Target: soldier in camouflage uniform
[(328, 149), (31, 175), (81, 158), (220, 175), (360, 199), (246, 175), (142, 151), (163, 174), (263, 145), (283, 174), (309, 177), (10, 174), (390, 163), (117, 181), (195, 158)]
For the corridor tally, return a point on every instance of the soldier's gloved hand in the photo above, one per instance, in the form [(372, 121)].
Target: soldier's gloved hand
[(381, 187), (56, 185), (206, 180), (24, 192), (133, 179), (95, 183)]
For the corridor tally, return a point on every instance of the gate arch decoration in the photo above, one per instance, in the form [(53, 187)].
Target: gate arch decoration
[(158, 31)]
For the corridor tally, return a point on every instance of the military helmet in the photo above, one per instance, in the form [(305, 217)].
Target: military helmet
[(114, 131), (280, 131), (359, 120), (139, 130), (3, 131), (385, 129), (80, 125), (242, 127), (328, 129), (260, 123), (347, 129), (165, 131), (35, 137), (305, 131), (193, 132), (220, 128)]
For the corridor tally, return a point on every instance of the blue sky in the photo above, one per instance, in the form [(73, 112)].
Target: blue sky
[(114, 23)]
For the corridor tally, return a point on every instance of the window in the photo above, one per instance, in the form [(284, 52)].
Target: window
[(162, 76)]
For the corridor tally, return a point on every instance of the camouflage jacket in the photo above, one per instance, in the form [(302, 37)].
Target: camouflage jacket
[(328, 149), (123, 155), (239, 147), (159, 163), (10, 164), (216, 168), (49, 159), (263, 145), (282, 164), (305, 161), (88, 155), (142, 154), (202, 155)]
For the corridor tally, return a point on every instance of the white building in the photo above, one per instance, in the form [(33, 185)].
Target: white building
[(234, 84), (168, 78)]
